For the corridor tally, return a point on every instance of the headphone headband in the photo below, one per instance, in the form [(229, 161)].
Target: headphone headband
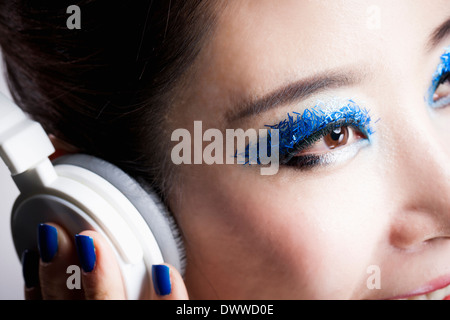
[(24, 144)]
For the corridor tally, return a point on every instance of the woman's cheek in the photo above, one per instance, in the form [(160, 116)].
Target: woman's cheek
[(234, 236), (300, 238)]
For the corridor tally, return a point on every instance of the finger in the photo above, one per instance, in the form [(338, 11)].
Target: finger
[(30, 272), (101, 276), (32, 293), (168, 283), (57, 254)]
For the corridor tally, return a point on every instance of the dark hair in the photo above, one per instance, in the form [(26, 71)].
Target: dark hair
[(104, 88)]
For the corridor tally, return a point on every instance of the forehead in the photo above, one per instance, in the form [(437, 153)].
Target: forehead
[(259, 45), (318, 34)]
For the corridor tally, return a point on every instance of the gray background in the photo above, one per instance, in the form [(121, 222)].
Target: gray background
[(11, 281)]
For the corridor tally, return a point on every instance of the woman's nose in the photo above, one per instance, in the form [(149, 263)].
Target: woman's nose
[(420, 181)]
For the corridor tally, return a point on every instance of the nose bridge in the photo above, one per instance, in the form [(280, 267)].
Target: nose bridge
[(424, 162), (420, 177)]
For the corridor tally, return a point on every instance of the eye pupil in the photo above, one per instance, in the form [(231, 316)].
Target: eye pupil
[(336, 134), (337, 137)]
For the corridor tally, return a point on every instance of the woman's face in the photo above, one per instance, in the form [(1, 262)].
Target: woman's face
[(369, 223)]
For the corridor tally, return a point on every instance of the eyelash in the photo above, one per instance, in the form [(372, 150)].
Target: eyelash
[(299, 132), (292, 159)]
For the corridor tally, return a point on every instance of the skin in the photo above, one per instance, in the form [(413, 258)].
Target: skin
[(314, 234)]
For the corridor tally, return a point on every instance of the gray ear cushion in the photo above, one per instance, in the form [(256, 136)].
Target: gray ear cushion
[(154, 212)]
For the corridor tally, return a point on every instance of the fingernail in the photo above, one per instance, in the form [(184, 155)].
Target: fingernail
[(86, 252), (161, 279), (47, 242), (30, 268)]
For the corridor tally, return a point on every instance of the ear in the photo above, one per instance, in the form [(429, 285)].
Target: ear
[(61, 147)]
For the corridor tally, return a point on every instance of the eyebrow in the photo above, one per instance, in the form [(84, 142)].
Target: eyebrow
[(305, 88), (439, 34), (296, 91)]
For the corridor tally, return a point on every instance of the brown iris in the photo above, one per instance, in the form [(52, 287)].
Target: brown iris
[(336, 138)]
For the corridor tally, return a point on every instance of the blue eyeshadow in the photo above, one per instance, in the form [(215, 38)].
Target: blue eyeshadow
[(442, 69), (299, 130), (299, 127)]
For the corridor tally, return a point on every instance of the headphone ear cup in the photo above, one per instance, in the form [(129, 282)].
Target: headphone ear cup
[(160, 222)]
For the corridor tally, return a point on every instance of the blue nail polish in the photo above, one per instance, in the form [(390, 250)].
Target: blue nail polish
[(86, 252), (161, 279), (30, 268), (47, 242)]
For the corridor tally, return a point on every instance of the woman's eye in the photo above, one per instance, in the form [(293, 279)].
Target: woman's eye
[(337, 138), (443, 89)]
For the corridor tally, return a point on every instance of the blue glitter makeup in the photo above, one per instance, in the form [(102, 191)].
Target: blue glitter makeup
[(301, 130), (440, 75)]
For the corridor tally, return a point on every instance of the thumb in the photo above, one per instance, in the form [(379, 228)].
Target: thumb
[(168, 283)]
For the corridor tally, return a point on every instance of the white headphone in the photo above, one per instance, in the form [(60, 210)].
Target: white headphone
[(82, 192)]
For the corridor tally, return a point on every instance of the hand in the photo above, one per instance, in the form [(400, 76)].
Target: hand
[(46, 274)]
